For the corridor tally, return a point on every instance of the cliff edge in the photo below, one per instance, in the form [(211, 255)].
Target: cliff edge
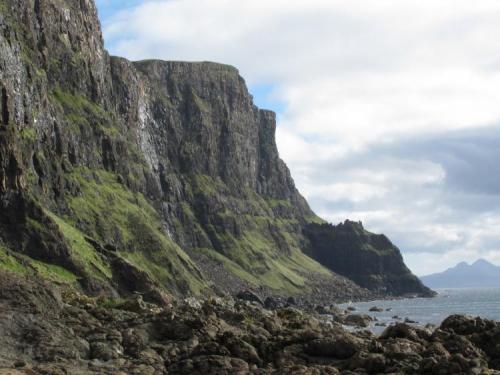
[(119, 176)]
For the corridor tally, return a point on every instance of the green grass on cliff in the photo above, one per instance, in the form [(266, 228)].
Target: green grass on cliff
[(273, 203), (284, 274), (53, 272), (82, 250), (107, 211), (266, 251), (82, 114), (23, 265), (10, 263)]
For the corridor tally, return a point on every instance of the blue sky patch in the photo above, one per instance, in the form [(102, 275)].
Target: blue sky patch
[(107, 8), (265, 98)]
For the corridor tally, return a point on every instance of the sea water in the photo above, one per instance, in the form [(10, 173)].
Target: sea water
[(483, 302)]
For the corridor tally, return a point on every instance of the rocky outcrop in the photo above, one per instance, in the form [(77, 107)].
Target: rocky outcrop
[(54, 331), (371, 260)]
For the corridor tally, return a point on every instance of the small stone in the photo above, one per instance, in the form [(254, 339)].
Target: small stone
[(20, 363)]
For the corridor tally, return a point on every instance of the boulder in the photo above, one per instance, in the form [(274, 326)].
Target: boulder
[(400, 330), (466, 325), (340, 347), (135, 304), (158, 297), (272, 303), (210, 364), (358, 320), (250, 296), (372, 363)]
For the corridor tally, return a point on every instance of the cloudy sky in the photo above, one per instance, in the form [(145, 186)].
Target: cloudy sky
[(389, 110)]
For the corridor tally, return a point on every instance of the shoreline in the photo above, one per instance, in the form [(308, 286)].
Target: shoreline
[(47, 330), (420, 312)]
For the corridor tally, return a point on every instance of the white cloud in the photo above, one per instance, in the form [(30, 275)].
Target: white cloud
[(355, 75)]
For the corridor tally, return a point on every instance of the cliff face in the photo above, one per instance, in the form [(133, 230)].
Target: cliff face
[(371, 260), (121, 176)]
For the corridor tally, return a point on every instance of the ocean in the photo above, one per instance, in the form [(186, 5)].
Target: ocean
[(483, 302)]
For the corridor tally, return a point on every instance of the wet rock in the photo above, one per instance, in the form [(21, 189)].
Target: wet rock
[(400, 330), (358, 320), (376, 309), (436, 350), (372, 363), (340, 347), (210, 365), (466, 325)]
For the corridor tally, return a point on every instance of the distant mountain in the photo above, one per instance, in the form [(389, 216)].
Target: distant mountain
[(479, 274)]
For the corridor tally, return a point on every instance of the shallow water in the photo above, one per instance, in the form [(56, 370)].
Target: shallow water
[(483, 302)]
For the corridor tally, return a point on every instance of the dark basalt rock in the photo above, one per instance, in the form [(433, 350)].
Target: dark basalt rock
[(371, 260), (49, 331), (342, 347), (272, 303), (250, 296), (357, 320)]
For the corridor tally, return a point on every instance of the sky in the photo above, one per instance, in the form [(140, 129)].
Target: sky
[(388, 110)]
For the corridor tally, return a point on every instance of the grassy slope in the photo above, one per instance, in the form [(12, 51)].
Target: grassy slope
[(110, 213), (253, 254), (26, 266)]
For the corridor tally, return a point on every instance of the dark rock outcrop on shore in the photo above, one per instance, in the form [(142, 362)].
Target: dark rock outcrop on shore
[(47, 330), (371, 260)]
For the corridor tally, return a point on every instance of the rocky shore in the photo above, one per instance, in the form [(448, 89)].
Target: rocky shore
[(48, 330)]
